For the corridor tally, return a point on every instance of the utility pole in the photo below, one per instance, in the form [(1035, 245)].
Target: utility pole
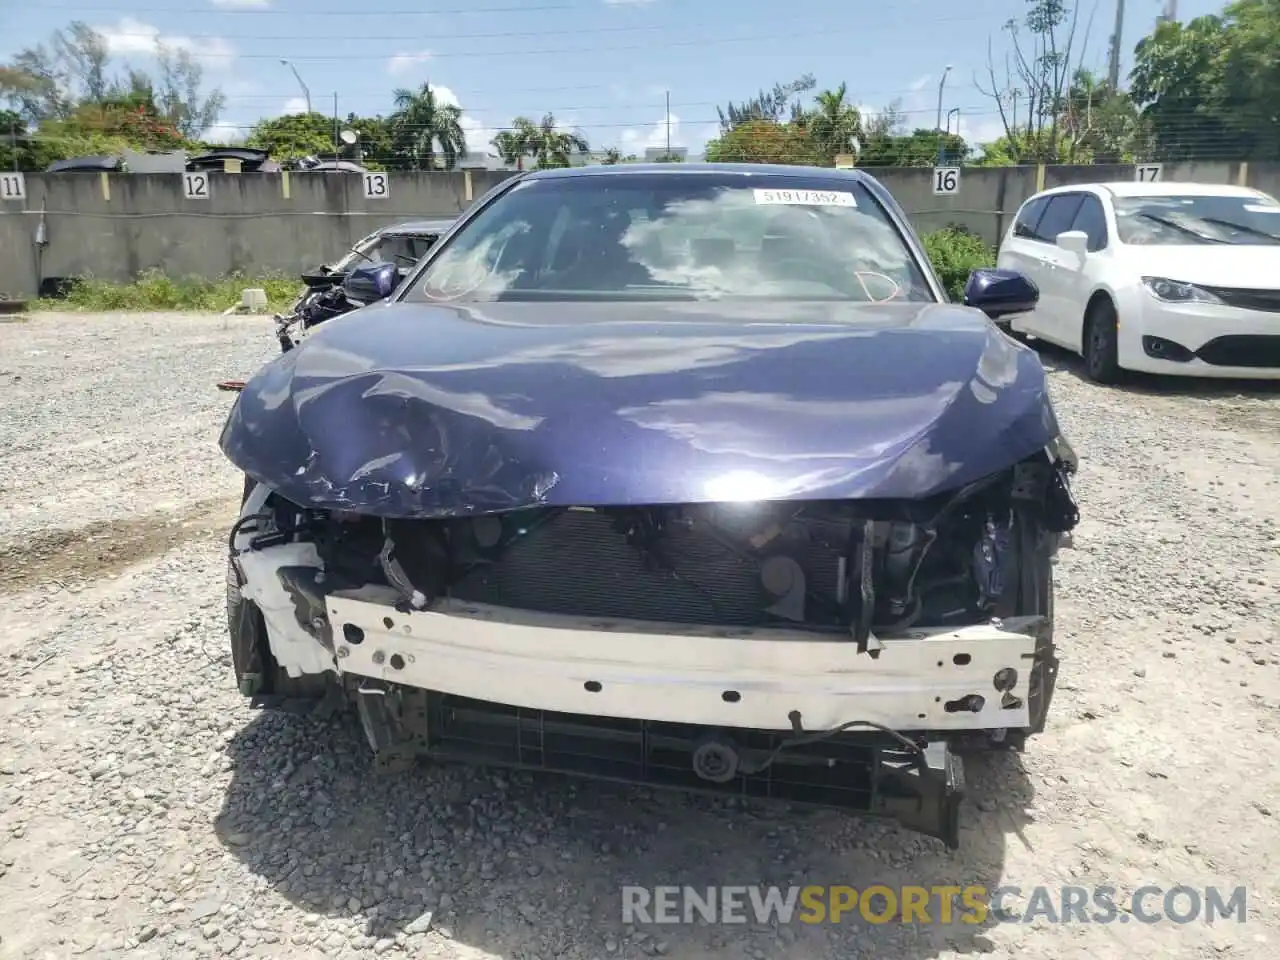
[(668, 124), (1113, 67), (1170, 14)]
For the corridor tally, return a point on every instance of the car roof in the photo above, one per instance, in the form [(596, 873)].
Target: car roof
[(414, 227), (1132, 188), (763, 170)]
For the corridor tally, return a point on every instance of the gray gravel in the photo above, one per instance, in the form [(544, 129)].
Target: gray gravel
[(145, 811)]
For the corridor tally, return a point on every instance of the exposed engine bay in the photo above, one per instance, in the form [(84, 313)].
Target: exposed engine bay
[(919, 622), (851, 569)]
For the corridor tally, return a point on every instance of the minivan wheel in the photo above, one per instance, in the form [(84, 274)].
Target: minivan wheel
[(1101, 343)]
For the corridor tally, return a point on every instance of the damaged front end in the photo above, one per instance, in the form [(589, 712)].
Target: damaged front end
[(837, 652)]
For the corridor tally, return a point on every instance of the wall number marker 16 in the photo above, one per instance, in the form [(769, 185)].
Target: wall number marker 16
[(946, 180), (376, 186)]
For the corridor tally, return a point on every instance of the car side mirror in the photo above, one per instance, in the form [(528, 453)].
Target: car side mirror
[(1000, 293), (1073, 241), (372, 283)]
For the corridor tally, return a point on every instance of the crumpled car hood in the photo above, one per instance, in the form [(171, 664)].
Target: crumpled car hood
[(423, 410)]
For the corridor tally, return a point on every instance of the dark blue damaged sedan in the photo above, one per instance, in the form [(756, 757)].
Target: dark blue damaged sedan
[(683, 475)]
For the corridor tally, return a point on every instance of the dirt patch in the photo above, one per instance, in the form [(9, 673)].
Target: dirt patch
[(104, 548)]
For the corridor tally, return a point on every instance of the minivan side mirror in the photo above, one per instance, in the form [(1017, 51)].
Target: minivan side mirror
[(1073, 241), (999, 293)]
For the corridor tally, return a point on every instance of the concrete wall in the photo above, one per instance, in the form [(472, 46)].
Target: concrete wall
[(116, 226)]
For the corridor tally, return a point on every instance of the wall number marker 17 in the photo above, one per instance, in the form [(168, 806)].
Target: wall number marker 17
[(946, 180), (13, 186), (376, 186), (1148, 172)]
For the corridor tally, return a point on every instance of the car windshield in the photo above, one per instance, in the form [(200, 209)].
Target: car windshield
[(1168, 220), (404, 250), (685, 236)]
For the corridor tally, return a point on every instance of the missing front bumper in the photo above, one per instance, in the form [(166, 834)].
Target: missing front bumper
[(872, 774)]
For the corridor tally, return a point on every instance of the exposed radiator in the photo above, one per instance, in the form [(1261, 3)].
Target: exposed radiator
[(581, 563)]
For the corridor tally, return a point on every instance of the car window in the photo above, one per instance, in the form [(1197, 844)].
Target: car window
[(1028, 217), (1166, 220), (1058, 216), (1091, 219), (677, 236)]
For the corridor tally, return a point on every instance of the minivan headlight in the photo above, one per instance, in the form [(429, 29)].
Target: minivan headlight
[(1175, 291)]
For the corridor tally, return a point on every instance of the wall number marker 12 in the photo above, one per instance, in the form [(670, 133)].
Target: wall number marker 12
[(376, 186), (946, 180), (13, 186), (195, 186)]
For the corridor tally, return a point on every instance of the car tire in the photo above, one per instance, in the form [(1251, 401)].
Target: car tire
[(258, 675), (1101, 346)]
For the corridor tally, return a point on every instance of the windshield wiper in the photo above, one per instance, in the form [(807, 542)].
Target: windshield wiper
[(1182, 228), (1232, 225)]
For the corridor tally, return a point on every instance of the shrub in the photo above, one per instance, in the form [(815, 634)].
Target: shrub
[(153, 290), (954, 253)]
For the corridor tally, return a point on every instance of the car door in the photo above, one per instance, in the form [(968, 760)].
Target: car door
[(1056, 267), (1020, 251), (1078, 275)]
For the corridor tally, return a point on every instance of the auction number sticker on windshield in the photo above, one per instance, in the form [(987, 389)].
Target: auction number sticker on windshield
[(806, 198)]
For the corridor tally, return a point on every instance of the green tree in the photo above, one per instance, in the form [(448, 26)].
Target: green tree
[(763, 141), (611, 156), (293, 136), (544, 142), (1179, 79), (1036, 79), (834, 125), (423, 128), (772, 105), (52, 82)]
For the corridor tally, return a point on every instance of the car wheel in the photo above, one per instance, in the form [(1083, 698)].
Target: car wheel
[(256, 670), (1101, 343)]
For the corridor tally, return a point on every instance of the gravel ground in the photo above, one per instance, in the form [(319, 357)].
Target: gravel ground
[(146, 811)]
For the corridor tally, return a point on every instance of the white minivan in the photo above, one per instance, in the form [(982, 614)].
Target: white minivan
[(1168, 278)]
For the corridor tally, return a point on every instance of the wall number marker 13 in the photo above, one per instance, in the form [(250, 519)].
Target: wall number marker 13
[(946, 180), (376, 186)]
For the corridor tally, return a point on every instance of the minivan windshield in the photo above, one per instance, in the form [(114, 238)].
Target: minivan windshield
[(677, 236), (1167, 220)]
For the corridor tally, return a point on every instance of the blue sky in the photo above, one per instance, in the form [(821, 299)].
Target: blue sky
[(603, 66)]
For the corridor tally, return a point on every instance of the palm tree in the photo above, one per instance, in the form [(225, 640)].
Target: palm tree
[(548, 146), (834, 125), (422, 125), (612, 156)]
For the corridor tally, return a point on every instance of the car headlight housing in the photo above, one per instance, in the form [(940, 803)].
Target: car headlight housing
[(1175, 291)]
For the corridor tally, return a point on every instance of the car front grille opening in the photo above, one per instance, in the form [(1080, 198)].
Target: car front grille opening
[(1243, 350)]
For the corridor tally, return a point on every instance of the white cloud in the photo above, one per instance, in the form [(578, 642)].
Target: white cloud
[(242, 4), (637, 141), (224, 133), (293, 105), (131, 37), (403, 63)]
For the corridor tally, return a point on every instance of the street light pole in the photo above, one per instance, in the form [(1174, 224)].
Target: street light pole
[(941, 84), (305, 92), (938, 125)]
